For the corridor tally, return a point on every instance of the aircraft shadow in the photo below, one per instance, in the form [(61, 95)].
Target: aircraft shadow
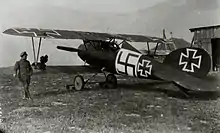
[(172, 91), (169, 90), (52, 93)]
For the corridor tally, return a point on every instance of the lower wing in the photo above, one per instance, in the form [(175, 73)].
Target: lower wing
[(68, 70)]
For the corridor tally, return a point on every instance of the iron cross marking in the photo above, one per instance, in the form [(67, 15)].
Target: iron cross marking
[(144, 68), (37, 32), (190, 60)]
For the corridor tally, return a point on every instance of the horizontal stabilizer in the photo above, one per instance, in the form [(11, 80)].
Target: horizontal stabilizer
[(70, 49), (168, 73)]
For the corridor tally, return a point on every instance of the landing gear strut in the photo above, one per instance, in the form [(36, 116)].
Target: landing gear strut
[(79, 82)]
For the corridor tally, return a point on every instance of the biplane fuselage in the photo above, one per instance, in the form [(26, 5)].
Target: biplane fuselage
[(116, 60)]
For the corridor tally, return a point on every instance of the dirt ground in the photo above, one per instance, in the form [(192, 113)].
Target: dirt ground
[(136, 106)]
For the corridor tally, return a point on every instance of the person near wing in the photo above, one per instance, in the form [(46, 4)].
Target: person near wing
[(23, 71), (43, 61)]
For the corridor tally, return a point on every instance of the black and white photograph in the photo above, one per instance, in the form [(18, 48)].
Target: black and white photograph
[(109, 66)]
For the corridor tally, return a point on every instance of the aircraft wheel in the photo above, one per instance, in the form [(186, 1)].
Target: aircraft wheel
[(79, 82), (111, 81)]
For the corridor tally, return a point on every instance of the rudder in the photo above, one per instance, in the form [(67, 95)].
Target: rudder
[(194, 61)]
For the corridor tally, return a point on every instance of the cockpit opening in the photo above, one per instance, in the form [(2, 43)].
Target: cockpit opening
[(101, 45)]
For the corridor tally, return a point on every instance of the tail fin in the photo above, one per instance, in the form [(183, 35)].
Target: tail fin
[(194, 61)]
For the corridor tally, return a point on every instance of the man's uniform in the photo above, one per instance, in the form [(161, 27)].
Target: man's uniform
[(24, 71)]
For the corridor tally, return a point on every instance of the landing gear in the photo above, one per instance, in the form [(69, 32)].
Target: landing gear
[(79, 82)]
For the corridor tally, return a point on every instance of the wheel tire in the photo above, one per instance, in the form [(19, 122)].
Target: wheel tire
[(111, 81), (79, 82)]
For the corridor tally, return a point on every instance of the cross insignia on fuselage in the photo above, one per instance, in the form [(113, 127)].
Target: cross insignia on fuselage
[(144, 68), (190, 60)]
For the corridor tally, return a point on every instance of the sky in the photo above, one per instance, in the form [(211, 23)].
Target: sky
[(84, 5), (37, 13), (14, 13)]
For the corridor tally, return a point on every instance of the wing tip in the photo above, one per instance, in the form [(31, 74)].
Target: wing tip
[(6, 31)]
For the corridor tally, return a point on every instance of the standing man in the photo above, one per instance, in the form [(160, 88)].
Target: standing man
[(24, 71)]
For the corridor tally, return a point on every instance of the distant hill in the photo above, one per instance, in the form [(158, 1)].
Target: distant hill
[(180, 43)]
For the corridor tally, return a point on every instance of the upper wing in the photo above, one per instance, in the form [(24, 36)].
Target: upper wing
[(67, 34), (141, 38)]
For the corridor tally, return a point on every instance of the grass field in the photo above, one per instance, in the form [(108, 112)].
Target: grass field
[(136, 106)]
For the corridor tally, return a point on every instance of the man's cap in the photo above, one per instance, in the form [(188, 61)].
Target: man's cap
[(23, 53)]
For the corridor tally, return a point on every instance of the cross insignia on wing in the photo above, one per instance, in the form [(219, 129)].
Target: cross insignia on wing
[(190, 61), (37, 32), (144, 68)]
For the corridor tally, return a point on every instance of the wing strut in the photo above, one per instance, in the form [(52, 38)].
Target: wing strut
[(36, 56), (35, 60), (38, 51), (148, 48), (156, 48)]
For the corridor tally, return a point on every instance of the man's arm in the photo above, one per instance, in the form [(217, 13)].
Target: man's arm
[(16, 68), (31, 69)]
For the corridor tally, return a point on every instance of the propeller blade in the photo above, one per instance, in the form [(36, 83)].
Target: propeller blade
[(70, 49)]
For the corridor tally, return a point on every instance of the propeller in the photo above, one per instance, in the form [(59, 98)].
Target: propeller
[(70, 49)]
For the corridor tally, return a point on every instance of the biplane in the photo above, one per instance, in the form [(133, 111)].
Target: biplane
[(184, 67)]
